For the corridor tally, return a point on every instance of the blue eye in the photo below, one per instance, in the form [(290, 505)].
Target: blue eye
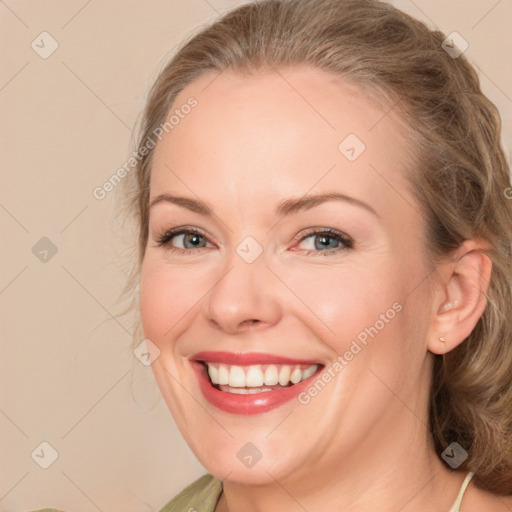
[(191, 238), (325, 241)]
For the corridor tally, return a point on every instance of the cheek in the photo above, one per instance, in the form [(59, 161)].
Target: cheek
[(171, 296), (349, 303), (165, 296), (373, 331)]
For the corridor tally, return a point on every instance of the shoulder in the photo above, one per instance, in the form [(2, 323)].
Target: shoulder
[(201, 496)]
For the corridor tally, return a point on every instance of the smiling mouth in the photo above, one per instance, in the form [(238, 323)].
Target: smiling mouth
[(257, 378)]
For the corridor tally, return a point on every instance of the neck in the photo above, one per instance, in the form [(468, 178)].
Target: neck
[(395, 471)]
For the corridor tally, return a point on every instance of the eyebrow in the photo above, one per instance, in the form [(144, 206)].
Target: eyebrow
[(286, 207)]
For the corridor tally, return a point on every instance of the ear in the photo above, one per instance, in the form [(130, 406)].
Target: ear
[(459, 296)]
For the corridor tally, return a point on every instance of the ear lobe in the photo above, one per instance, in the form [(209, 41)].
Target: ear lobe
[(461, 299)]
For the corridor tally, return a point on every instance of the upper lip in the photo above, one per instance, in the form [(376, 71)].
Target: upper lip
[(248, 358)]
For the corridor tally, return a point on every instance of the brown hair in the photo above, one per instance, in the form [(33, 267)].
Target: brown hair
[(459, 181)]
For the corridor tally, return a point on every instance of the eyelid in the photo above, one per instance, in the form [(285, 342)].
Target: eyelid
[(164, 239), (321, 230), (347, 241), (166, 236)]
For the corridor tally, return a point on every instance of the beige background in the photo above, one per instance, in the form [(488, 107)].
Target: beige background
[(68, 376)]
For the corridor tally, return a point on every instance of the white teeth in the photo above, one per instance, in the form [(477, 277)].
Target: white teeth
[(252, 391), (213, 373), (271, 375), (284, 375), (239, 391), (236, 378), (296, 376), (309, 371), (223, 375), (244, 391), (254, 377)]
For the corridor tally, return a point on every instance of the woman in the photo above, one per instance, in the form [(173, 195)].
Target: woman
[(325, 263)]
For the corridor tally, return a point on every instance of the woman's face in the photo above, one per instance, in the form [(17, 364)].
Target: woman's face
[(339, 282)]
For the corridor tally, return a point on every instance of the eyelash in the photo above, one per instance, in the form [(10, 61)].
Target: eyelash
[(166, 237)]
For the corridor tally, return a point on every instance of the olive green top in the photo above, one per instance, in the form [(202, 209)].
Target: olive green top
[(200, 496)]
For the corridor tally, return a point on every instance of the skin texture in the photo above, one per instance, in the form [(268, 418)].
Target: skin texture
[(251, 142)]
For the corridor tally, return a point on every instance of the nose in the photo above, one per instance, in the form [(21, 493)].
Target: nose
[(245, 297)]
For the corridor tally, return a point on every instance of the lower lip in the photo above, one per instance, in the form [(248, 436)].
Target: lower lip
[(247, 404)]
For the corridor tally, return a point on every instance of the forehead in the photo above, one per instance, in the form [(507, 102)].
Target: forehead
[(281, 133)]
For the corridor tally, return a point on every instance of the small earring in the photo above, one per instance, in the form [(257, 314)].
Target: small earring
[(449, 305), (442, 339)]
